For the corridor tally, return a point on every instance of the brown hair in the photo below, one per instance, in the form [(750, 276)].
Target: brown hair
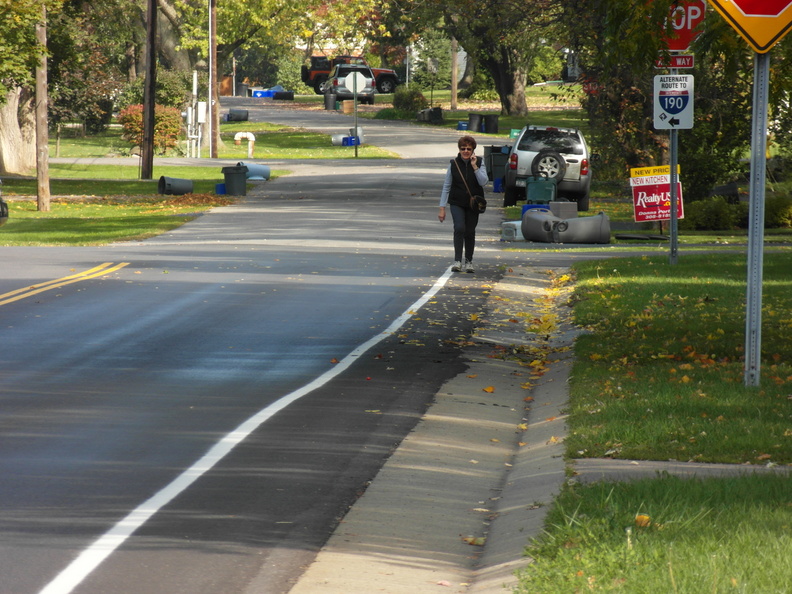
[(466, 140)]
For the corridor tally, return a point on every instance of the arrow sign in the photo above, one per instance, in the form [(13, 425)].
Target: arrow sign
[(762, 23), (673, 103)]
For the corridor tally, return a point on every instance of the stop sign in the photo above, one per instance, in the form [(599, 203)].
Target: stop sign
[(762, 8), (685, 17)]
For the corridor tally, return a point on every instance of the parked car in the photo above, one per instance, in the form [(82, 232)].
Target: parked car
[(336, 83), (557, 153), (317, 73)]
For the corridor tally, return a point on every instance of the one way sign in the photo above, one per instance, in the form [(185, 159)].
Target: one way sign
[(673, 101)]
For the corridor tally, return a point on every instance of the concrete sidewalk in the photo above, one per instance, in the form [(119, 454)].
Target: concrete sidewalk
[(454, 507), (457, 502)]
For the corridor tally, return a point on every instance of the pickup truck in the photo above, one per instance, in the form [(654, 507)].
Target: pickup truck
[(316, 74)]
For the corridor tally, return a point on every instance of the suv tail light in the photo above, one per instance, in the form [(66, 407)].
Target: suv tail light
[(513, 161), (584, 167)]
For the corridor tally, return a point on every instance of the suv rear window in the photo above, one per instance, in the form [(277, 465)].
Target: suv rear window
[(562, 142)]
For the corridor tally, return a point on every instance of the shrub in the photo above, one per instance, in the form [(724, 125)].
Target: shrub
[(411, 100), (778, 212), (389, 113), (167, 126), (713, 214), (173, 88)]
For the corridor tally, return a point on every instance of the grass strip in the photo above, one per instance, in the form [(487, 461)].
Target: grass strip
[(659, 375), (666, 535), (102, 220)]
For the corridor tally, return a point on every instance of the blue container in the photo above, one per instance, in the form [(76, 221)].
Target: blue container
[(527, 207), (350, 141), (462, 125), (220, 189), (497, 185)]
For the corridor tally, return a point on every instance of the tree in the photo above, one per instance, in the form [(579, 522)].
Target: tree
[(19, 55), (617, 45), (501, 36)]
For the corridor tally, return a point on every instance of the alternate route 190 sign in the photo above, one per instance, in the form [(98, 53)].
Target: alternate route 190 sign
[(673, 102)]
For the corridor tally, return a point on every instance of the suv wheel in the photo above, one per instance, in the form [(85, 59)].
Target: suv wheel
[(319, 84), (386, 85), (549, 163)]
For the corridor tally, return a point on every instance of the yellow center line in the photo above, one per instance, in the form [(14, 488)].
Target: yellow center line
[(94, 272)]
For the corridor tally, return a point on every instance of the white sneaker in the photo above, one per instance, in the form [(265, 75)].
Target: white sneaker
[(469, 267), (457, 267)]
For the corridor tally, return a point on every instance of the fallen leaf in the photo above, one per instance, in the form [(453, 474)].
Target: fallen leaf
[(489, 389), (476, 541), (333, 360)]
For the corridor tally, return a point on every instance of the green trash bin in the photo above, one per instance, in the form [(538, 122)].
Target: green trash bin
[(236, 180), (540, 190)]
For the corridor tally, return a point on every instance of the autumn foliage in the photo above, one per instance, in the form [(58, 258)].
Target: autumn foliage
[(167, 126)]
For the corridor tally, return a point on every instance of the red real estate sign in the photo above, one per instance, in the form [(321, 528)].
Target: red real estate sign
[(762, 23), (651, 190)]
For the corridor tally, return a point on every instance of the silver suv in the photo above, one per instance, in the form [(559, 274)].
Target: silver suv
[(336, 83), (557, 153)]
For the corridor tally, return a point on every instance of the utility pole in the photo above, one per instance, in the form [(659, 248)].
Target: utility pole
[(149, 96), (454, 71), (42, 121), (214, 120)]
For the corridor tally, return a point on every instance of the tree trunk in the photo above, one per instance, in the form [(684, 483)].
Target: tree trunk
[(509, 81), (42, 122), (17, 133)]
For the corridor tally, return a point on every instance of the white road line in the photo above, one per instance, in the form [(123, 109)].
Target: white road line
[(90, 558)]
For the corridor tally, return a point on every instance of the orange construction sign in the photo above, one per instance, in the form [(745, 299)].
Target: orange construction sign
[(762, 23)]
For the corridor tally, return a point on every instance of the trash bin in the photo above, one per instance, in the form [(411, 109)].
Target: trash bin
[(283, 96), (3, 212), (174, 186), (474, 122), (540, 190), (490, 124), (330, 101), (238, 115), (235, 180), (242, 89), (495, 161)]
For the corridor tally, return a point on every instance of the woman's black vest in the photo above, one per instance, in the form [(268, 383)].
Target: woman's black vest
[(459, 193)]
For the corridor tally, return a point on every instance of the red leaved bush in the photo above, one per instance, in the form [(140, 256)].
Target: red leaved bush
[(167, 126)]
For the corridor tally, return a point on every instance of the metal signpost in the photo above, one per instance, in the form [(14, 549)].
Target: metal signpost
[(673, 109), (762, 24), (355, 80), (673, 94)]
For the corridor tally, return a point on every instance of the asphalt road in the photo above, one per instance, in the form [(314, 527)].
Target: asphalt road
[(198, 415)]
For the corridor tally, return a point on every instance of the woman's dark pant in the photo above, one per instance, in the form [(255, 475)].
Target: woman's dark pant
[(465, 221)]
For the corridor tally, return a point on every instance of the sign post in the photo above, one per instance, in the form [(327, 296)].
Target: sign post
[(354, 81), (762, 23), (673, 109)]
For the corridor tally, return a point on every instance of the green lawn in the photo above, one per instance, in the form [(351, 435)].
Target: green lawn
[(658, 375)]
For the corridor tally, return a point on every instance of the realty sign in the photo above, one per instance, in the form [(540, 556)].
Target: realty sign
[(651, 190), (762, 23)]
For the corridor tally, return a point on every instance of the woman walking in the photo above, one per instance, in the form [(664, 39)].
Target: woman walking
[(465, 179)]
